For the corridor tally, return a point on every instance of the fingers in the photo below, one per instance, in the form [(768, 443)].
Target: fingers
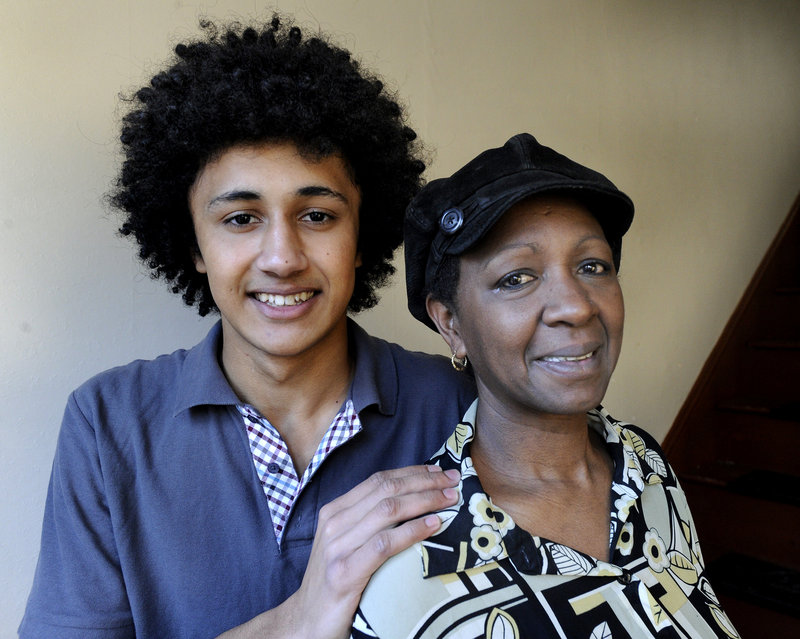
[(395, 481), (384, 515), (351, 562), (358, 531), (389, 498), (390, 541)]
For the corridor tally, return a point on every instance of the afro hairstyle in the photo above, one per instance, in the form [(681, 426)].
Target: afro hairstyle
[(241, 85)]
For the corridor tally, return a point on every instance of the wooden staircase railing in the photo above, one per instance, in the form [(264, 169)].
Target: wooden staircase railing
[(735, 446)]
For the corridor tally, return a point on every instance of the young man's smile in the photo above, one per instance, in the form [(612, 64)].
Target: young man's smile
[(290, 299)]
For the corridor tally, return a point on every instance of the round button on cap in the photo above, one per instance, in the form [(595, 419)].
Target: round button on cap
[(451, 221)]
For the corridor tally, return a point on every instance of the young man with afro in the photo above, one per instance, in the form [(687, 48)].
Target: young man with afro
[(253, 483)]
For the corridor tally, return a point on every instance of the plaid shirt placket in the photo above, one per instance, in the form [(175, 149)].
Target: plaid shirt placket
[(274, 465)]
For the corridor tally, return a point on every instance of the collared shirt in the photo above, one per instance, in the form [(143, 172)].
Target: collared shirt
[(156, 523), (483, 576), (281, 483)]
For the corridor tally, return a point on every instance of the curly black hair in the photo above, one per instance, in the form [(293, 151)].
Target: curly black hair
[(248, 85)]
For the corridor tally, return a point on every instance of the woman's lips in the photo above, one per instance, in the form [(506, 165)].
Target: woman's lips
[(567, 358)]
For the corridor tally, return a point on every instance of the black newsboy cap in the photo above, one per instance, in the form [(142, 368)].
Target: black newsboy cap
[(450, 215)]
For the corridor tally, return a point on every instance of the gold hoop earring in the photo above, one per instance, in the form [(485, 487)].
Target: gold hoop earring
[(460, 364)]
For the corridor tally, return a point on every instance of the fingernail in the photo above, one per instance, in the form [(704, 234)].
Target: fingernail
[(453, 474), (433, 521), (450, 493)]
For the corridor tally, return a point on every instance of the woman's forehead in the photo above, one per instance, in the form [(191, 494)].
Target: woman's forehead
[(542, 217)]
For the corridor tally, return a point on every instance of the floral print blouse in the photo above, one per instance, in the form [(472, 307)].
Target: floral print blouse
[(482, 576)]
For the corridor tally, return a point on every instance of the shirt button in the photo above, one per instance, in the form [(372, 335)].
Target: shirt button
[(273, 468), (625, 577)]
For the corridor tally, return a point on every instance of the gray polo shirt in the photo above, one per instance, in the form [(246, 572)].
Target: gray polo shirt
[(156, 524)]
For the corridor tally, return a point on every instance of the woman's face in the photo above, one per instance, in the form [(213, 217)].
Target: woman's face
[(539, 310)]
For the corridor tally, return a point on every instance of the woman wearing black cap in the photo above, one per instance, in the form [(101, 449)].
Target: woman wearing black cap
[(569, 523)]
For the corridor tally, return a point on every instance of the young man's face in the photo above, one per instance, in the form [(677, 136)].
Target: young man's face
[(278, 236)]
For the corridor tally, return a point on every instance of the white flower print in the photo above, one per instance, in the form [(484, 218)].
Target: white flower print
[(626, 499), (467, 468), (655, 551), (487, 542), (484, 513), (625, 541)]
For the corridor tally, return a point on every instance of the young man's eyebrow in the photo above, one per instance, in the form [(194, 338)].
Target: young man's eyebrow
[(238, 195), (234, 196), (308, 191)]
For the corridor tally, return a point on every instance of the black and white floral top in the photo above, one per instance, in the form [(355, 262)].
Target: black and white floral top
[(482, 576)]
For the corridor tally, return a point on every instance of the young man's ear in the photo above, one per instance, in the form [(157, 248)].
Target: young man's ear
[(199, 263), (447, 324)]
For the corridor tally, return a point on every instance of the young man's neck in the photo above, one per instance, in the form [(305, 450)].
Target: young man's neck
[(298, 394)]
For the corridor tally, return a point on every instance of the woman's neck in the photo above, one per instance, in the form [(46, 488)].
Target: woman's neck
[(552, 474), (534, 447)]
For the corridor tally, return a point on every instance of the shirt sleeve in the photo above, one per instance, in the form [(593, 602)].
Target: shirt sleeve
[(78, 588)]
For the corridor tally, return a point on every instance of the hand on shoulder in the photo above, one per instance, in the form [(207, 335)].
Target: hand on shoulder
[(356, 533)]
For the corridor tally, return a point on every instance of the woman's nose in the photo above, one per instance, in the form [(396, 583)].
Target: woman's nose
[(281, 251), (568, 302)]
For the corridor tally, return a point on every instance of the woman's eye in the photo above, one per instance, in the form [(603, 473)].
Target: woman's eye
[(514, 280), (594, 268)]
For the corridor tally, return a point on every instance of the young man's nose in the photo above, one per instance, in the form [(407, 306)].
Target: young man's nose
[(281, 250)]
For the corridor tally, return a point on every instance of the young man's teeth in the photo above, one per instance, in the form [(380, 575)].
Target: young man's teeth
[(284, 300), (568, 359)]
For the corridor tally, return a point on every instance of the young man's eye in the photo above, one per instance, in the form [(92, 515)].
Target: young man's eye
[(317, 216), (515, 280), (241, 219)]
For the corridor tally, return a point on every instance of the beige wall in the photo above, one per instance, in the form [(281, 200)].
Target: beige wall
[(690, 107)]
